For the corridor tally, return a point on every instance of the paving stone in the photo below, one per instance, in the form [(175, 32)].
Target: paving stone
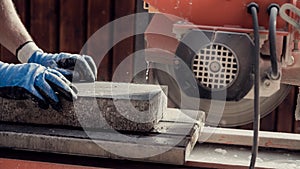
[(105, 105)]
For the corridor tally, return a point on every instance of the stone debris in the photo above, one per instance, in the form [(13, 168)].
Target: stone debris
[(221, 151)]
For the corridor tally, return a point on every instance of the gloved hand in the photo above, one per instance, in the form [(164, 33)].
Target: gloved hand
[(23, 81), (73, 66)]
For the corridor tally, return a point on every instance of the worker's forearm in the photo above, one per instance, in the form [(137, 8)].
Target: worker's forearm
[(12, 31)]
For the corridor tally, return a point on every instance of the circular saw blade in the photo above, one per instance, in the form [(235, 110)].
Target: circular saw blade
[(235, 113), (241, 113)]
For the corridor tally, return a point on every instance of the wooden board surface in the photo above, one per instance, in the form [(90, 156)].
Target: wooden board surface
[(126, 47), (44, 24), (244, 138), (230, 157), (286, 113), (72, 25), (98, 15), (167, 145)]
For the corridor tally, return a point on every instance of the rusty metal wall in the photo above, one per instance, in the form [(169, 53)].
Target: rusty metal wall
[(65, 25)]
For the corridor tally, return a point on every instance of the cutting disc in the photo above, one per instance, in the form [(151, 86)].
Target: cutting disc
[(235, 113)]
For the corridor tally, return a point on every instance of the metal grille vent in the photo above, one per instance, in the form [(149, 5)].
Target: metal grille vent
[(215, 66)]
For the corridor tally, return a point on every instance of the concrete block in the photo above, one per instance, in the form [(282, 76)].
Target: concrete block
[(105, 105)]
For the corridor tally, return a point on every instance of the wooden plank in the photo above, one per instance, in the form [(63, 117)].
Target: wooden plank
[(87, 147), (99, 14), (268, 122), (281, 119), (170, 143), (7, 56), (246, 126), (235, 157), (44, 24), (171, 147), (297, 127), (72, 25), (297, 123), (188, 122), (22, 9), (126, 46), (244, 138), (160, 139), (286, 112)]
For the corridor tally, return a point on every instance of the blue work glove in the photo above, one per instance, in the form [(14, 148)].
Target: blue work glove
[(43, 85), (73, 66)]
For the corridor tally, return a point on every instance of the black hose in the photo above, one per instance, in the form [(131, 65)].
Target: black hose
[(253, 10), (273, 12)]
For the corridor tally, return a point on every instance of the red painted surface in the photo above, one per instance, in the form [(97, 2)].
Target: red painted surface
[(20, 164), (232, 13)]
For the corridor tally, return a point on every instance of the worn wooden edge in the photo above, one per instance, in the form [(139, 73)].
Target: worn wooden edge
[(187, 117), (193, 141), (87, 147), (236, 157), (162, 138), (244, 138), (177, 142), (72, 25), (95, 21), (230, 149)]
